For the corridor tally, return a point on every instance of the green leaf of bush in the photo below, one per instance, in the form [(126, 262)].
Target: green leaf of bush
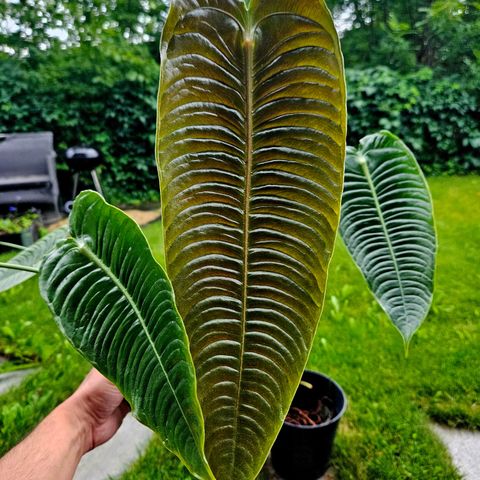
[(115, 304), (387, 225)]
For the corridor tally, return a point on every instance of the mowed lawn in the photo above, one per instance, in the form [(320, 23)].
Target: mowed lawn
[(385, 433)]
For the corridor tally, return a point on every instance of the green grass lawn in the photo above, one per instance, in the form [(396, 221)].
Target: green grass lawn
[(385, 433)]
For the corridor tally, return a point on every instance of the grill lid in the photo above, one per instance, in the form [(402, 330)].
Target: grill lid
[(83, 158)]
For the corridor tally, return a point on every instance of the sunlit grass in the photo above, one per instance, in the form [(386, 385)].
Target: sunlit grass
[(385, 433)]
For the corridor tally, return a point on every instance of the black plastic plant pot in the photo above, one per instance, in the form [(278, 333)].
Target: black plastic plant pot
[(303, 452)]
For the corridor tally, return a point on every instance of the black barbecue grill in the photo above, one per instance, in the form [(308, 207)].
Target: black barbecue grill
[(83, 159)]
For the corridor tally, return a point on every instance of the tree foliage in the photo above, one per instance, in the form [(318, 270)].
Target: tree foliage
[(31, 25), (438, 118), (86, 70), (441, 34), (110, 102)]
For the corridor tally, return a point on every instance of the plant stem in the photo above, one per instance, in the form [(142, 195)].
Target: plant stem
[(23, 268), (12, 245)]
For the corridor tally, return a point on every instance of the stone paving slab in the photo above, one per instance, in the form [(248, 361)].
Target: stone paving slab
[(142, 217), (114, 457), (464, 448), (12, 379)]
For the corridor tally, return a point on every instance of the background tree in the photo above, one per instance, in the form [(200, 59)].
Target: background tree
[(441, 34), (30, 25)]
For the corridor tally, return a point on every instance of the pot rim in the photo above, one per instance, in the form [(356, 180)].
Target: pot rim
[(336, 418)]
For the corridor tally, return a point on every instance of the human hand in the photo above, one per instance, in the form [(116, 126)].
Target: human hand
[(98, 407), (90, 417)]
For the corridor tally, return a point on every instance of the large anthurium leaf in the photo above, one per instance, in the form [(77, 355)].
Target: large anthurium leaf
[(251, 145), (387, 225), (115, 304), (30, 257)]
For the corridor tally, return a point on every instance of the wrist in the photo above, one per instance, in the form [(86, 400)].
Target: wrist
[(78, 422), (53, 450)]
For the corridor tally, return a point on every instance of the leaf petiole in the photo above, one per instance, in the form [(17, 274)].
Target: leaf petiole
[(22, 268), (12, 245)]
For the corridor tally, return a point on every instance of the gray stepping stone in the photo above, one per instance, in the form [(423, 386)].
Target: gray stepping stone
[(111, 459), (12, 379), (464, 448)]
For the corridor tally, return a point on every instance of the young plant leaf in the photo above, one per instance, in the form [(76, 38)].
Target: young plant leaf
[(387, 225), (30, 257), (115, 304), (251, 145)]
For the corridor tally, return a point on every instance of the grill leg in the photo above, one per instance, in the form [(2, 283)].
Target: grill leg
[(96, 182), (75, 185)]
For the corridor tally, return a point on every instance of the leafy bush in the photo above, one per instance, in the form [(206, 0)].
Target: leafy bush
[(107, 97), (439, 118), (14, 223), (103, 97)]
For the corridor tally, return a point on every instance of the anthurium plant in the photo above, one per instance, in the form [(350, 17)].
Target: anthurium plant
[(250, 148)]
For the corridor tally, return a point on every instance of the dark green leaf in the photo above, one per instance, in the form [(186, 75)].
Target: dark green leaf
[(30, 257), (387, 226), (115, 304)]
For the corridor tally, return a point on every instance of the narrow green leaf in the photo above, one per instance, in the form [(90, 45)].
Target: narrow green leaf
[(29, 257), (115, 304), (251, 145), (387, 225)]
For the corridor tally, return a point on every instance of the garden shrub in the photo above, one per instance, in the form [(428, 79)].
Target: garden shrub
[(107, 97), (438, 118)]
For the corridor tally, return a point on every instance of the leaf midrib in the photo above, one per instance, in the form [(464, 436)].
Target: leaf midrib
[(366, 171), (249, 66), (87, 252)]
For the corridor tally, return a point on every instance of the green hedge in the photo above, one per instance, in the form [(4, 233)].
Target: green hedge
[(102, 98), (107, 97), (438, 118)]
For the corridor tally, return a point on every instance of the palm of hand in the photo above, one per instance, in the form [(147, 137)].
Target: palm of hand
[(104, 406)]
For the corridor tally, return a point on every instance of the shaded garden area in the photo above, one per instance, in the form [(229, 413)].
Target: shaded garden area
[(99, 85)]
